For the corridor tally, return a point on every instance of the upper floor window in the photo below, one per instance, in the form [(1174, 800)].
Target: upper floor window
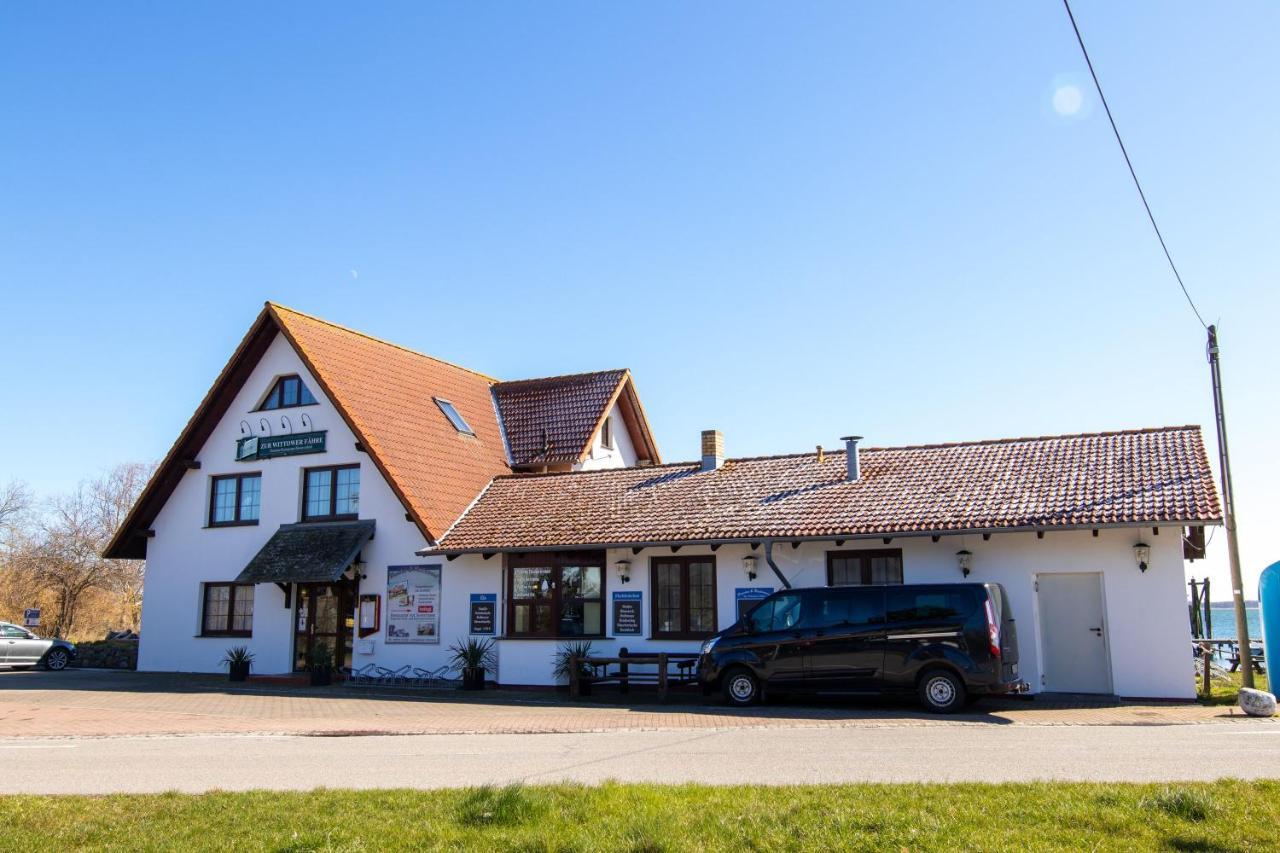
[(235, 499), (606, 434), (459, 423), (864, 568), (287, 393), (331, 493)]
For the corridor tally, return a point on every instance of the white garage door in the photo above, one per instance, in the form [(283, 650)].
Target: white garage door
[(1074, 633)]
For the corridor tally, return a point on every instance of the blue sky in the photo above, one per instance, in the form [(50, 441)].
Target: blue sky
[(791, 222)]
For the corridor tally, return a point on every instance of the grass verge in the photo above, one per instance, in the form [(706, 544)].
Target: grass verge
[(1226, 689), (1220, 816)]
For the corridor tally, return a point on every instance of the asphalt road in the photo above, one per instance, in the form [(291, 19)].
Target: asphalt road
[(778, 756)]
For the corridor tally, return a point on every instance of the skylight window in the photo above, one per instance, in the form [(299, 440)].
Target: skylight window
[(287, 393), (454, 418)]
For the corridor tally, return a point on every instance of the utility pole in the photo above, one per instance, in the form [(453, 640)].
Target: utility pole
[(1229, 515)]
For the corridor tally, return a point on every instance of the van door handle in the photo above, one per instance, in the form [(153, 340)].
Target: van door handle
[(1097, 631)]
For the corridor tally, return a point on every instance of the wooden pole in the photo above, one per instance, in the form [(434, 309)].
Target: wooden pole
[(662, 676), (1229, 515)]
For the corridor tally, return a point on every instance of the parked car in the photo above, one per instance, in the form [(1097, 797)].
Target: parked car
[(20, 647), (950, 644)]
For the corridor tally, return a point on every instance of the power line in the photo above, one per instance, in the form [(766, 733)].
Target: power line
[(1097, 85)]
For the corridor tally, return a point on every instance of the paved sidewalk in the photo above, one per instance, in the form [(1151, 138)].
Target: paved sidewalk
[(104, 704)]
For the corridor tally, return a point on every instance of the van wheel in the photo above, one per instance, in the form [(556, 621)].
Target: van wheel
[(741, 688), (942, 691)]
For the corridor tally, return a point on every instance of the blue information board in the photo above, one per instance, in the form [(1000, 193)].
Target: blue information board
[(745, 597), (484, 612), (627, 617)]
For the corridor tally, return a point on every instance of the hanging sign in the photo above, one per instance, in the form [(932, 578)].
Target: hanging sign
[(31, 617), (413, 604), (626, 612), (484, 612), (267, 446), (746, 597)]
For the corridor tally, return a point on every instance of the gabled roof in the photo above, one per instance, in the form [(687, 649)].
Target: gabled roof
[(384, 393), (1136, 477), (555, 419)]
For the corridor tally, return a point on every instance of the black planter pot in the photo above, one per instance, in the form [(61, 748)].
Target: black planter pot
[(238, 670), (584, 685), (473, 678), (321, 677)]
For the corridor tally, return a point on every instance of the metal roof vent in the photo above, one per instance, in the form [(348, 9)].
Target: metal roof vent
[(853, 470)]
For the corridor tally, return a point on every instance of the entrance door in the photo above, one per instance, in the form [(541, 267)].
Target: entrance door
[(325, 620), (1074, 633)]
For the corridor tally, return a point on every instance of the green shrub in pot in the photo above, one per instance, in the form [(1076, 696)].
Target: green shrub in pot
[(238, 660), (473, 658)]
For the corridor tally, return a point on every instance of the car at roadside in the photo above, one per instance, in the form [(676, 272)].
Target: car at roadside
[(21, 648), (949, 644)]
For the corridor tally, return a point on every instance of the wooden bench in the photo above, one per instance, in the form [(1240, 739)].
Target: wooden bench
[(623, 674)]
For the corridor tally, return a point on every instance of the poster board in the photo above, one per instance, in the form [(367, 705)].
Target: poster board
[(370, 614), (484, 613), (627, 610), (746, 597), (413, 604)]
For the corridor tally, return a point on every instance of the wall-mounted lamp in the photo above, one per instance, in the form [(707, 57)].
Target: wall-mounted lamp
[(964, 559), (749, 566), (624, 570), (1142, 555)]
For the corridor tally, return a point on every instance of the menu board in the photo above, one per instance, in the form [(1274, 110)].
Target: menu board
[(484, 612), (413, 604), (626, 613)]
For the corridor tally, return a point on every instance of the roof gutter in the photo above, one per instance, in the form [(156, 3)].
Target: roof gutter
[(826, 537)]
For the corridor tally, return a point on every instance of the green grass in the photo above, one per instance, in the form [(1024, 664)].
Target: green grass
[(1221, 816), (1226, 691)]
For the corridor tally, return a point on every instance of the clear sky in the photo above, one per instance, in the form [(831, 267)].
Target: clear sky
[(791, 221)]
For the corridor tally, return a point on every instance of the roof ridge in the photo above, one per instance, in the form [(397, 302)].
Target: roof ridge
[(276, 306), (532, 379), (841, 451)]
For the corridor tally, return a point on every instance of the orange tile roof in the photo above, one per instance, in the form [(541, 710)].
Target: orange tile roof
[(385, 393), (1151, 476), (552, 420)]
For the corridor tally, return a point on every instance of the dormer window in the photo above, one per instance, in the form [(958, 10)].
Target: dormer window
[(606, 434), (287, 393), (454, 418)]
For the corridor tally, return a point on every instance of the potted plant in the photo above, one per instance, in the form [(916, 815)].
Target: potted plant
[(581, 650), (321, 666), (237, 661), (472, 658)]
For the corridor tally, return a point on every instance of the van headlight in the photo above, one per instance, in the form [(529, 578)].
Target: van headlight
[(708, 645)]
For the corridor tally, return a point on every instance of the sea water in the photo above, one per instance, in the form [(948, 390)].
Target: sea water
[(1224, 621)]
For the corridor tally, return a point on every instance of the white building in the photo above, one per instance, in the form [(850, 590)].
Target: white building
[(339, 492)]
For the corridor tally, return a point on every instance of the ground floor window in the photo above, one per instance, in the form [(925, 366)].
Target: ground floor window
[(556, 594), (684, 597), (864, 568), (227, 610)]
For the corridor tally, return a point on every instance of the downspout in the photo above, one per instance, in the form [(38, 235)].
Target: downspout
[(768, 558)]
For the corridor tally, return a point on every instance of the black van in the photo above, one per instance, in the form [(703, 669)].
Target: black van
[(948, 643)]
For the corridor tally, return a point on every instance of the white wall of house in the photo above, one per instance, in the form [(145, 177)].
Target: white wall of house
[(1147, 623), (186, 553)]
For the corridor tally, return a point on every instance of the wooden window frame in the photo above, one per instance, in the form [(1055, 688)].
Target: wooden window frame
[(606, 433), (556, 561), (683, 561), (231, 609), (333, 493), (277, 385), (213, 499), (865, 556)]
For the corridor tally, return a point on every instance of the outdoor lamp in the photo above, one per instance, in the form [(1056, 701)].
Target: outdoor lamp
[(964, 558), (749, 566), (624, 570), (1142, 555)]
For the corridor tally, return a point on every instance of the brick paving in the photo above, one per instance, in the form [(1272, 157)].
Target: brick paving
[(104, 704)]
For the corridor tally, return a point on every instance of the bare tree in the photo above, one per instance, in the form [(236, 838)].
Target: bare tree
[(59, 560)]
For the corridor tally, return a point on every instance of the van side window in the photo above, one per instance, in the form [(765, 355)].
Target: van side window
[(780, 614), (913, 605), (845, 608)]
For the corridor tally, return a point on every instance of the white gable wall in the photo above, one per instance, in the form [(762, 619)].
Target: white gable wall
[(621, 455), (185, 552)]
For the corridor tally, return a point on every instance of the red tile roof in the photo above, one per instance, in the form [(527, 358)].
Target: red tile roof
[(553, 420), (1150, 476)]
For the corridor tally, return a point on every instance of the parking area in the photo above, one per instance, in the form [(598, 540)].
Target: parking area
[(89, 703)]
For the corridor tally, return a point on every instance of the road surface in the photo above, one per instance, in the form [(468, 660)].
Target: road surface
[(781, 756)]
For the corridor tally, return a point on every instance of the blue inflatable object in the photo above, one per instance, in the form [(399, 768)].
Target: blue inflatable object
[(1269, 598)]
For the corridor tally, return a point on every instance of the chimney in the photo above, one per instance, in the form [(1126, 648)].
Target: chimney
[(853, 471), (712, 449)]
